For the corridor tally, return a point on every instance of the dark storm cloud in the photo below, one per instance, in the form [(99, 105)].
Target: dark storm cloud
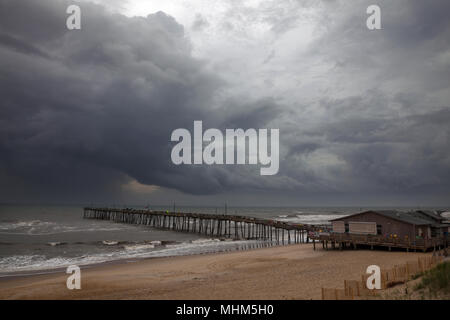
[(82, 112), (21, 46), (396, 153), (391, 137)]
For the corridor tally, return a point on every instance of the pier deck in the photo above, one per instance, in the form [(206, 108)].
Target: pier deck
[(212, 225)]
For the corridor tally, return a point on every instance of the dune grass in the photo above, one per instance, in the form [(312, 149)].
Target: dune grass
[(436, 279)]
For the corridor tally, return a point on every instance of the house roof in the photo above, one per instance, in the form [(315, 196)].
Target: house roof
[(442, 225), (395, 215), (428, 214)]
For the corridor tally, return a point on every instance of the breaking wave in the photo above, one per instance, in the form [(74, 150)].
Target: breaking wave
[(38, 227), (17, 263)]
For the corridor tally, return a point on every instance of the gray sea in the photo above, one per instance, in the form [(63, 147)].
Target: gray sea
[(38, 238)]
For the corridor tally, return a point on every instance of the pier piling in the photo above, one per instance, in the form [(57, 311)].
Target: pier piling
[(212, 225)]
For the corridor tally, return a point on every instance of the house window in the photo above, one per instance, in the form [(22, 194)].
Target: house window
[(379, 229), (434, 232), (346, 227)]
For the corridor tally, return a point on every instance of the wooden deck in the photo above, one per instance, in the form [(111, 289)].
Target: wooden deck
[(342, 241)]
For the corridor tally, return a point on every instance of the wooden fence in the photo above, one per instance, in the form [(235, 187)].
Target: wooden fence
[(389, 277)]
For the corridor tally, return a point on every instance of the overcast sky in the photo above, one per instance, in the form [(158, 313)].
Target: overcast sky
[(87, 115)]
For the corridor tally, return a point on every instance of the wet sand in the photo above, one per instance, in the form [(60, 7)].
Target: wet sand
[(288, 272)]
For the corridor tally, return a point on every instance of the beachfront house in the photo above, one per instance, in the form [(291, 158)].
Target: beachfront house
[(414, 230), (392, 224)]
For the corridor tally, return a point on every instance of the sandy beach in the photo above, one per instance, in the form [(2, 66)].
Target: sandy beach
[(288, 272)]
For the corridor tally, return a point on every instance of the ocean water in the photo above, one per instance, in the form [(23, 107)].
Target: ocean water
[(36, 238)]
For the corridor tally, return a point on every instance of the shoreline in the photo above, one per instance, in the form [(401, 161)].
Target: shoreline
[(284, 272), (124, 260)]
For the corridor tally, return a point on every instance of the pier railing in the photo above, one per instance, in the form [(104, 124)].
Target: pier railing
[(212, 225)]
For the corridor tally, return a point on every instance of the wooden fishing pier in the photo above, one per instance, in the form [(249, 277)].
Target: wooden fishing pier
[(212, 225)]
